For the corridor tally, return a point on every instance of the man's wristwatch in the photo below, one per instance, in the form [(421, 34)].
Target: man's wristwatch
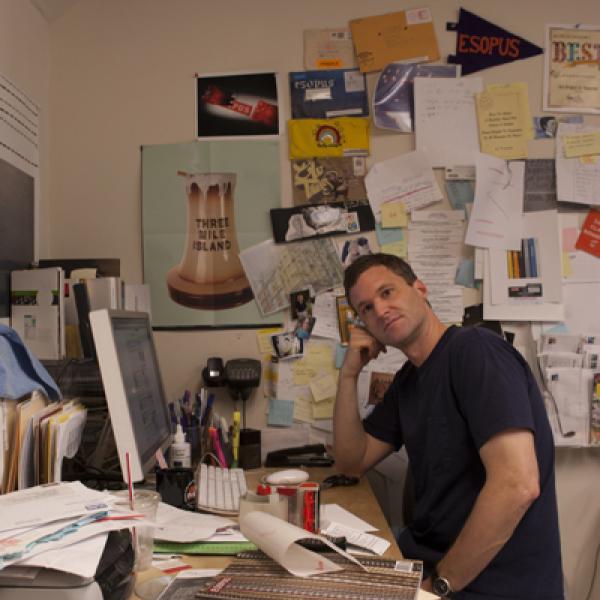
[(440, 585)]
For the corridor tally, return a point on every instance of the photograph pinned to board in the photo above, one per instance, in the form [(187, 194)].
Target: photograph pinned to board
[(571, 74), (329, 179), (327, 94), (301, 303), (318, 220), (287, 345), (237, 104), (393, 99), (304, 327), (191, 264), (353, 248)]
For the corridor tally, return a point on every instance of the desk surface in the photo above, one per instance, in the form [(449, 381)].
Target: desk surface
[(358, 499)]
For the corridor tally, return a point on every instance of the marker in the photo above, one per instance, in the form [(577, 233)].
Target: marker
[(212, 431), (235, 437)]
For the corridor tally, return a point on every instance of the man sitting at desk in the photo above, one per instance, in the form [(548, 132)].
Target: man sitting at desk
[(469, 412)]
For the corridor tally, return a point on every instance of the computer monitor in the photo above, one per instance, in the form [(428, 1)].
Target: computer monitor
[(133, 387)]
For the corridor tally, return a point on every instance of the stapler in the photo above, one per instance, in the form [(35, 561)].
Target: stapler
[(312, 455)]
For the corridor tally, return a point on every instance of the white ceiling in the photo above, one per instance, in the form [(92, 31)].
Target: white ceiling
[(53, 9)]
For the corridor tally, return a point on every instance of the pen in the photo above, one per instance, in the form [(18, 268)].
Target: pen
[(212, 431), (224, 430), (165, 556), (235, 437), (209, 403)]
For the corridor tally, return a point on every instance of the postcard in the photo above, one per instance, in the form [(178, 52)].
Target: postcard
[(328, 49), (329, 179), (327, 94)]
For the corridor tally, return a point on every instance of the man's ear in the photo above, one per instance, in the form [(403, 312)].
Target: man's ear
[(420, 287)]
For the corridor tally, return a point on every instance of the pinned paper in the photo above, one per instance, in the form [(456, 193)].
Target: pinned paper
[(481, 44), (388, 236), (323, 388), (398, 36), (399, 249), (504, 120), (581, 144), (589, 238), (281, 413), (393, 214), (323, 410)]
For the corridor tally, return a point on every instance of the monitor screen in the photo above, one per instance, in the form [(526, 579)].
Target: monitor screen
[(133, 387)]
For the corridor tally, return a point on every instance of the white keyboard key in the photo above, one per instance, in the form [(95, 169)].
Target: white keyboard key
[(203, 485), (219, 494), (228, 500), (212, 484), (220, 489)]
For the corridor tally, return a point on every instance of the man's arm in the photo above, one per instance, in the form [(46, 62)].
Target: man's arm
[(355, 450), (511, 486)]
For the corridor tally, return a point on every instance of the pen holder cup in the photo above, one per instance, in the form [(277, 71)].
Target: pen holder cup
[(177, 487), (193, 435), (303, 504)]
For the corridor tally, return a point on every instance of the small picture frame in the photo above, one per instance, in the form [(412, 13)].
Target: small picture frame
[(287, 345), (300, 304), (346, 318)]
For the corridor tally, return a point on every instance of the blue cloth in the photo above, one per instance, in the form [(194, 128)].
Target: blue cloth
[(20, 372), (472, 386)]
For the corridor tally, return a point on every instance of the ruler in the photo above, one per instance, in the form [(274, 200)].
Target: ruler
[(220, 548)]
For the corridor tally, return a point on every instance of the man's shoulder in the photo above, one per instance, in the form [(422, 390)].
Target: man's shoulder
[(473, 334)]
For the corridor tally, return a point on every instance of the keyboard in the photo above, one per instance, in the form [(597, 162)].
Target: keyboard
[(218, 490)]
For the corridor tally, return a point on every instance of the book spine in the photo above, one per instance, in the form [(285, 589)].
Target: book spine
[(515, 258), (509, 264), (526, 257), (533, 257)]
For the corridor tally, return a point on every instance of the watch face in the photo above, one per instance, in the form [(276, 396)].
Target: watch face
[(440, 586)]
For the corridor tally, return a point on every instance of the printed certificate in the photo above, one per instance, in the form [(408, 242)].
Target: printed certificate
[(572, 73)]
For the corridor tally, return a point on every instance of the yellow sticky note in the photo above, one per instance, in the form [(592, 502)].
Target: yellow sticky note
[(303, 409), (399, 249), (323, 388), (323, 410), (303, 373), (592, 159), (393, 214), (263, 338), (581, 144), (566, 265)]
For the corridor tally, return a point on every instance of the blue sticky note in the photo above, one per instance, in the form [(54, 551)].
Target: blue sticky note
[(460, 192), (281, 413), (340, 354), (465, 274), (388, 235)]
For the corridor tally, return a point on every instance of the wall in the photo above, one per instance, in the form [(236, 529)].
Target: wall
[(24, 59), (123, 76)]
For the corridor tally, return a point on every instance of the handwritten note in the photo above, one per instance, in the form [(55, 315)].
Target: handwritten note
[(323, 388), (581, 144)]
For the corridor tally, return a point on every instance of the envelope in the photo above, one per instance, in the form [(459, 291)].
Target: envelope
[(404, 35)]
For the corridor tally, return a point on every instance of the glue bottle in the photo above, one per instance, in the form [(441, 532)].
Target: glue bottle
[(181, 451)]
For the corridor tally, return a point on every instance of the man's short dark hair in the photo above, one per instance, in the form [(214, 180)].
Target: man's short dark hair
[(362, 263)]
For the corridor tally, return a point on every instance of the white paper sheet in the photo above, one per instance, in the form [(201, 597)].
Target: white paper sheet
[(59, 501), (407, 178), (496, 218), (334, 513), (183, 526), (577, 180), (446, 119), (276, 538), (542, 227)]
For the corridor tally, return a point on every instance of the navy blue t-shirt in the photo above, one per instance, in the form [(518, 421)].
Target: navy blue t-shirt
[(471, 387)]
